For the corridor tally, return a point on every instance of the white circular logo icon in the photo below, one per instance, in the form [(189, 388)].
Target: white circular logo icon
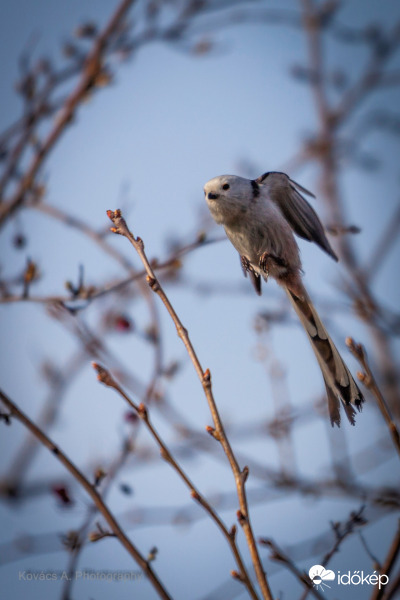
[(319, 576)]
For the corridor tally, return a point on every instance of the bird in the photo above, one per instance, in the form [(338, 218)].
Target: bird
[(260, 217)]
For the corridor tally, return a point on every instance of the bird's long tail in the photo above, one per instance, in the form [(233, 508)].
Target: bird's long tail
[(340, 385)]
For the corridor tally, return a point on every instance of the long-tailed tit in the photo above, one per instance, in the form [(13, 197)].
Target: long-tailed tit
[(260, 217)]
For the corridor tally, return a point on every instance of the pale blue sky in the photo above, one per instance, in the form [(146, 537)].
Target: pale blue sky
[(168, 123)]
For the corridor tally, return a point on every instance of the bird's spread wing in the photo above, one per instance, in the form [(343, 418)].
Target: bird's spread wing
[(300, 214), (301, 188)]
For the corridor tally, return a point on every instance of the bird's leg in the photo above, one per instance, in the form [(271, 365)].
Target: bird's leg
[(246, 266), (254, 276), (268, 260)]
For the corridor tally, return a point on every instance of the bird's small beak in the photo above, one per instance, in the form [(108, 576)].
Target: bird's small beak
[(212, 196)]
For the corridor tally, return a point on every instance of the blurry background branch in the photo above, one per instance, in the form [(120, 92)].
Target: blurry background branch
[(298, 466), (323, 149)]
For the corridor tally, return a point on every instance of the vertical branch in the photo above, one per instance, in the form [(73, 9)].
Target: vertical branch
[(143, 413), (280, 428), (368, 380), (325, 153), (218, 431), (325, 139), (388, 565)]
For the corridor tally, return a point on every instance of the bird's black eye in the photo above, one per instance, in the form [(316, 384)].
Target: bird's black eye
[(225, 186)]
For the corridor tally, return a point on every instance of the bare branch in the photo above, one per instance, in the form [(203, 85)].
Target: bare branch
[(389, 237), (121, 228), (368, 380), (91, 491), (142, 411), (388, 565), (342, 531), (88, 80), (278, 555)]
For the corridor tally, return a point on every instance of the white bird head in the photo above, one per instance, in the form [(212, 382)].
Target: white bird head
[(228, 197)]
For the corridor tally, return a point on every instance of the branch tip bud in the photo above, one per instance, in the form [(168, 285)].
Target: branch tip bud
[(114, 214), (103, 375)]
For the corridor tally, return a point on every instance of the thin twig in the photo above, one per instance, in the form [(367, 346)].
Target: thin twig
[(87, 295), (341, 532), (91, 491), (369, 381), (27, 451), (143, 413), (374, 561), (391, 593), (281, 426), (83, 530), (93, 67), (388, 565), (371, 78), (325, 148), (388, 238), (218, 432), (278, 555), (72, 220)]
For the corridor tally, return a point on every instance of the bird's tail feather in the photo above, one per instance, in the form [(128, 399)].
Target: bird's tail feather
[(340, 385)]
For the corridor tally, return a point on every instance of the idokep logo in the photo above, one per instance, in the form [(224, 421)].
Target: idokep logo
[(319, 576), (360, 578)]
